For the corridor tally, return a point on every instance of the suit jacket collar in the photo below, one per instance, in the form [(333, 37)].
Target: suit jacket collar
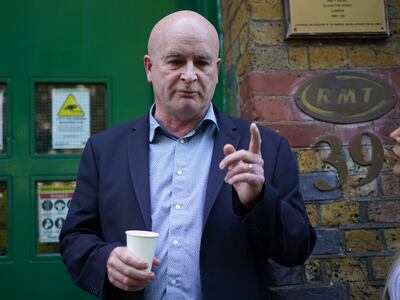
[(138, 159), (226, 135)]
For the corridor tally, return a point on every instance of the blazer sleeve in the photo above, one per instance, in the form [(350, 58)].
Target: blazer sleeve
[(278, 225), (83, 248)]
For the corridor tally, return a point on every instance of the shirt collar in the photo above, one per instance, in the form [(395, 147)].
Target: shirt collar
[(209, 118)]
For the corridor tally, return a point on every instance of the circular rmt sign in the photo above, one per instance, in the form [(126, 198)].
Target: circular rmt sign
[(345, 97)]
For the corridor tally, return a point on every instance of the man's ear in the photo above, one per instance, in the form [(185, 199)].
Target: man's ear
[(147, 66), (218, 62)]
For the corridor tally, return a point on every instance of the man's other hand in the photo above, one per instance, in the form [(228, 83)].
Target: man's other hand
[(127, 272)]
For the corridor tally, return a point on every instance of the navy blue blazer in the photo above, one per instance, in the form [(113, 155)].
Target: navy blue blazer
[(113, 195)]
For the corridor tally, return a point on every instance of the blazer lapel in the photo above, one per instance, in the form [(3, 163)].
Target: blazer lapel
[(138, 156), (225, 135)]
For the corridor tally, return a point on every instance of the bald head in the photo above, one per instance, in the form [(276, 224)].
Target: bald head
[(186, 24), (182, 65)]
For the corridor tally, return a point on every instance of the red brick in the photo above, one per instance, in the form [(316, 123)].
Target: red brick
[(381, 73), (390, 185), (388, 211), (348, 131), (395, 81), (244, 90), (273, 110), (303, 134), (382, 128), (276, 83), (249, 112), (395, 112), (392, 78)]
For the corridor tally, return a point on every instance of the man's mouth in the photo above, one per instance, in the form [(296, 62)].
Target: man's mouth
[(187, 93)]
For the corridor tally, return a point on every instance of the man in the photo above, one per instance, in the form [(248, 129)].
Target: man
[(222, 193), (392, 286)]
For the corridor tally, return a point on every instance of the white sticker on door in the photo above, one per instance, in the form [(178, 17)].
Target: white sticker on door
[(70, 118), (53, 204)]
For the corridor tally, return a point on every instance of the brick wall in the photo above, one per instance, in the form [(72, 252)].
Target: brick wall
[(358, 228)]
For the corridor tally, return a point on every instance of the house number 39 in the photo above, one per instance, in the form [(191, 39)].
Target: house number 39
[(336, 160)]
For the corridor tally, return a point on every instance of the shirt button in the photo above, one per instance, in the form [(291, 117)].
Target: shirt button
[(177, 206), (175, 242), (173, 282), (179, 172), (182, 141)]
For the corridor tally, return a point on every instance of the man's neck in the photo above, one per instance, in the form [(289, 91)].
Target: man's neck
[(178, 128), (177, 125)]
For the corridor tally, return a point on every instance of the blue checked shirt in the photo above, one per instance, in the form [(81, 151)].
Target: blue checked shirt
[(178, 182)]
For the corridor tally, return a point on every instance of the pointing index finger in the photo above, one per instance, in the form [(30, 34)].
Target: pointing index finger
[(396, 135), (255, 139)]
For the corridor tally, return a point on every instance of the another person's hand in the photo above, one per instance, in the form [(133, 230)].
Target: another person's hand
[(245, 168), (128, 272), (396, 150)]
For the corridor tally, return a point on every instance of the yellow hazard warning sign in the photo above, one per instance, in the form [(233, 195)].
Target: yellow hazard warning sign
[(70, 108)]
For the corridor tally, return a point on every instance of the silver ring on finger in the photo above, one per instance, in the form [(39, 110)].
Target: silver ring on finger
[(250, 167)]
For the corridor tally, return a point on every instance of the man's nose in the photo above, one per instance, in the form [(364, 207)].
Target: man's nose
[(189, 73)]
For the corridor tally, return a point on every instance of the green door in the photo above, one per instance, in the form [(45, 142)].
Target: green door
[(68, 69)]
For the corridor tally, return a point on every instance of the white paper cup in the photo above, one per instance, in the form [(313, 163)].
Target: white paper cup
[(142, 244)]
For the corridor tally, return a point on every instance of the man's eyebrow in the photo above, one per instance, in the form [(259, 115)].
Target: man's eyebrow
[(172, 54), (204, 57)]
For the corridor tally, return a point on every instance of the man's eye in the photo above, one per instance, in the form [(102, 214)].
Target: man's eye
[(175, 62), (203, 63)]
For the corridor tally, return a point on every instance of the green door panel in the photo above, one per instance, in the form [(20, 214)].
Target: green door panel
[(71, 42)]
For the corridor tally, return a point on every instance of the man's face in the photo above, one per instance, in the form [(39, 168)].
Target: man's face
[(183, 69)]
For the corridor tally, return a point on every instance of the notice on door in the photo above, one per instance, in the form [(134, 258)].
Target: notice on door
[(70, 118), (1, 120), (53, 204)]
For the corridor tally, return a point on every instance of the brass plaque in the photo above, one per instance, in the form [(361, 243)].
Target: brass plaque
[(314, 18), (345, 97)]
